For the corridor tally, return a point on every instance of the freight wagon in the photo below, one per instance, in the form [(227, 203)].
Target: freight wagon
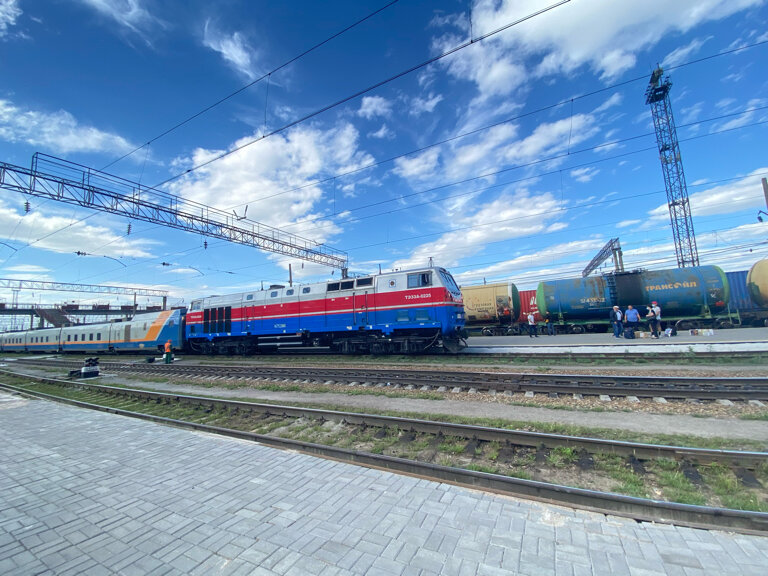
[(491, 309), (688, 297)]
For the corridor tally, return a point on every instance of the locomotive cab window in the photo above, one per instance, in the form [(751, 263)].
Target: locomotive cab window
[(289, 292), (273, 294), (249, 297), (419, 280), (305, 290)]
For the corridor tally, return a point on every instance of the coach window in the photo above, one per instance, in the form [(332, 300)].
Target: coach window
[(333, 287), (419, 280), (98, 336), (46, 338), (348, 285), (207, 320), (69, 337), (364, 282), (305, 290), (90, 336), (228, 319)]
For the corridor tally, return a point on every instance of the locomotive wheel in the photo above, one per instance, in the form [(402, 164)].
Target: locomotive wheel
[(576, 329)]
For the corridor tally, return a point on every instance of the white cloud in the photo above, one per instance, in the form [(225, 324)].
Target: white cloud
[(63, 234), (420, 167), (9, 12), (684, 53), (128, 13), (615, 99), (427, 105), (691, 113), (374, 106), (604, 35), (383, 133), (274, 178), (59, 132), (233, 48), (584, 174), (508, 216), (727, 198)]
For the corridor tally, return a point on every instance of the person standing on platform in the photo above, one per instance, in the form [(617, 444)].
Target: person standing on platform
[(632, 317), (532, 325), (651, 319), (657, 313), (549, 323), (168, 352), (616, 320)]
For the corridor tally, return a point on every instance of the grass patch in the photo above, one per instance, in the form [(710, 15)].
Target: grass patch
[(627, 481), (561, 456), (674, 484)]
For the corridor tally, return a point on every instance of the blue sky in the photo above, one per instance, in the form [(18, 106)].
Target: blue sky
[(515, 158)]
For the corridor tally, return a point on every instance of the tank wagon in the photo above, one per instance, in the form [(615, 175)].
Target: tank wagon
[(395, 312), (491, 309), (143, 333), (688, 297)]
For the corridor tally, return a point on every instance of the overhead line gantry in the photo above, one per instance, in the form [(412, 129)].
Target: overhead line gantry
[(64, 181)]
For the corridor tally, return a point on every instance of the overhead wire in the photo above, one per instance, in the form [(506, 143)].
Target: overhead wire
[(362, 92), (256, 81), (539, 110)]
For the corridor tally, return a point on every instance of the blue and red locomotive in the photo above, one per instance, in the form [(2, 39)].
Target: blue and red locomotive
[(408, 311)]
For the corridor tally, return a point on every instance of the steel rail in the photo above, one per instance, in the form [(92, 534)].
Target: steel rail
[(641, 451), (602, 502), (642, 386)]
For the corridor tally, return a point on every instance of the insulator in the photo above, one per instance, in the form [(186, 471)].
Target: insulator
[(128, 231), (26, 207)]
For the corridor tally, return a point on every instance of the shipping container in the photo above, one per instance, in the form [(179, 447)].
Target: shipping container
[(528, 304)]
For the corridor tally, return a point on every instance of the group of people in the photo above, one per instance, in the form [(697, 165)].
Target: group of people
[(631, 319), (533, 331)]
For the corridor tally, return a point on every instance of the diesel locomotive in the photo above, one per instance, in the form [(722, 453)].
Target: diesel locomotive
[(408, 311)]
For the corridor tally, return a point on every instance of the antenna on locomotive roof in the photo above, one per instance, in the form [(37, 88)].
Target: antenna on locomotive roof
[(379, 268)]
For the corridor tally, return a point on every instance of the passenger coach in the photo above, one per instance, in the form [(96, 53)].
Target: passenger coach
[(143, 333), (395, 312)]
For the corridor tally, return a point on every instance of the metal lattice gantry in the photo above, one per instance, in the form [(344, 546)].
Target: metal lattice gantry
[(611, 249), (657, 96), (16, 284), (64, 181)]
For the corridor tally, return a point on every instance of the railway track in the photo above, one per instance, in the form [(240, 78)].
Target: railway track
[(238, 419), (668, 387)]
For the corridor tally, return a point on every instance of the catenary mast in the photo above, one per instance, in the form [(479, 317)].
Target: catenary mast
[(657, 96)]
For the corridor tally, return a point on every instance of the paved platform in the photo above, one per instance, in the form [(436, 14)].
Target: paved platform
[(740, 339), (89, 493)]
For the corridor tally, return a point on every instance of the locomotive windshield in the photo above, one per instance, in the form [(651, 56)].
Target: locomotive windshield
[(450, 283)]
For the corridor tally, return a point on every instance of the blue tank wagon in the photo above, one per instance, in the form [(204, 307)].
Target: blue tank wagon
[(688, 297)]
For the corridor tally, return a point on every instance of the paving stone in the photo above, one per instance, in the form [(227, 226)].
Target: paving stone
[(85, 504)]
